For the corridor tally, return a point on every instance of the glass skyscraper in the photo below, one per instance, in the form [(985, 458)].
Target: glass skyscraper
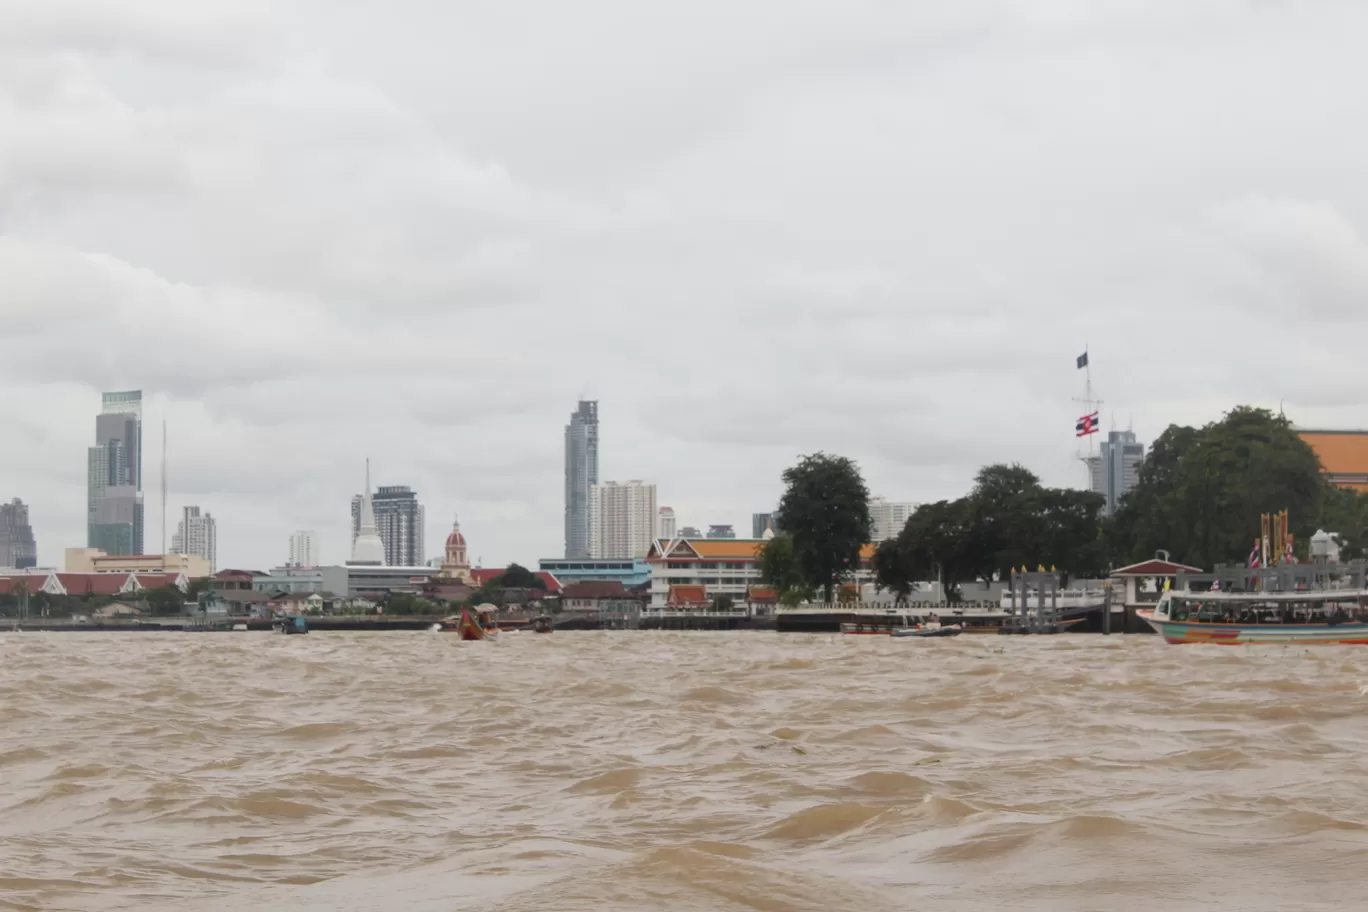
[(581, 474), (114, 494)]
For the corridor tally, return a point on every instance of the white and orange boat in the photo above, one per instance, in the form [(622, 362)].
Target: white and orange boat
[(1310, 617)]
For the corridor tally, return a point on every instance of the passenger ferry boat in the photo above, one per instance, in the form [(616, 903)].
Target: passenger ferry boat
[(1316, 616)]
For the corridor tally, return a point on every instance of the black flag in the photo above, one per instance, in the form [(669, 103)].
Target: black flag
[(1082, 360)]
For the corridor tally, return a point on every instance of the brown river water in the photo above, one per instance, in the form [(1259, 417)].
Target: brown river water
[(689, 772)]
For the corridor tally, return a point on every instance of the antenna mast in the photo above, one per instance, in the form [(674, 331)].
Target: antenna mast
[(1089, 402)]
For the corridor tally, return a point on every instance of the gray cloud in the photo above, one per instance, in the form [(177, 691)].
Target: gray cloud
[(312, 234)]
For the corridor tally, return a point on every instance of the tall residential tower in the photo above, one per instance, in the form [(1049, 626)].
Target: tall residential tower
[(622, 519), (1113, 473), (114, 495), (197, 535), (581, 474), (17, 547)]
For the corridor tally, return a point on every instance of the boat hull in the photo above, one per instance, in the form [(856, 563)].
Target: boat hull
[(928, 634), (1350, 633)]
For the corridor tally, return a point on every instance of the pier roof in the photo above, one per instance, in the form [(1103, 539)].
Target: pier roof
[(1155, 567)]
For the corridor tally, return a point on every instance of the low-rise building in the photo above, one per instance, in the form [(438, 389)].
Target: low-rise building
[(78, 585), (723, 567), (609, 598), (631, 572), (93, 560)]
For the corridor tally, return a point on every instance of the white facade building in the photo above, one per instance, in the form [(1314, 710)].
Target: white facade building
[(703, 569), (303, 549), (197, 536), (667, 527), (888, 518), (622, 519)]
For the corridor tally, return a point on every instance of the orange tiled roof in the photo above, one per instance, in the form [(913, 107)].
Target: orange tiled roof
[(1340, 452), (687, 595), (738, 549)]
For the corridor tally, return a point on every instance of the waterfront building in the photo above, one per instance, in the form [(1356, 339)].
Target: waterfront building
[(721, 531), (718, 567), (581, 474), (399, 519), (1343, 456), (114, 494), (887, 518), (367, 547), (456, 564), (1116, 470), (93, 560), (631, 572), (665, 527), (290, 579), (303, 549), (197, 535), (18, 550), (622, 519), (762, 523), (53, 582)]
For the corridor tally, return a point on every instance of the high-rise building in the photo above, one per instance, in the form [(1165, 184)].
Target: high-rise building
[(720, 531), (888, 518), (368, 550), (666, 526), (197, 535), (762, 523), (581, 474), (18, 550), (622, 519), (114, 495), (689, 532), (1117, 470), (303, 549), (399, 519)]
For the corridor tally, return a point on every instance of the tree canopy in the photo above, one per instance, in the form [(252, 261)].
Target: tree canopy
[(779, 568), (1008, 520), (824, 511), (1201, 492)]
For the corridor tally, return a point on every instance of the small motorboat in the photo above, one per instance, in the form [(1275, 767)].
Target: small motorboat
[(930, 630), (542, 624), (294, 624)]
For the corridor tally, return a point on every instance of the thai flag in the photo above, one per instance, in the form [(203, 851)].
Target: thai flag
[(1086, 425)]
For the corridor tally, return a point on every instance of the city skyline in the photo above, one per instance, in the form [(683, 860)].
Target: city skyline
[(809, 248)]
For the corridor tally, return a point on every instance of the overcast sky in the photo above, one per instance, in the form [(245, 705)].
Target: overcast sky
[(313, 232)]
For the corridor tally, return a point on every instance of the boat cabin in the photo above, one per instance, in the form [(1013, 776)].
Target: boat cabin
[(1324, 607)]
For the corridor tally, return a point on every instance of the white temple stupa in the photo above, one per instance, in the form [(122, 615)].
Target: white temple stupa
[(368, 550)]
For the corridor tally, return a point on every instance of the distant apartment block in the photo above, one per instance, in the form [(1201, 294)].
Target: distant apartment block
[(197, 535), (667, 524), (622, 519), (399, 518), (303, 549), (888, 517), (762, 523), (1117, 470), (721, 531), (18, 550), (114, 495)]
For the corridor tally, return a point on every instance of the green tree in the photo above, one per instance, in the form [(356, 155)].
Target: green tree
[(165, 601), (825, 511), (778, 566), (517, 576), (1201, 493)]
